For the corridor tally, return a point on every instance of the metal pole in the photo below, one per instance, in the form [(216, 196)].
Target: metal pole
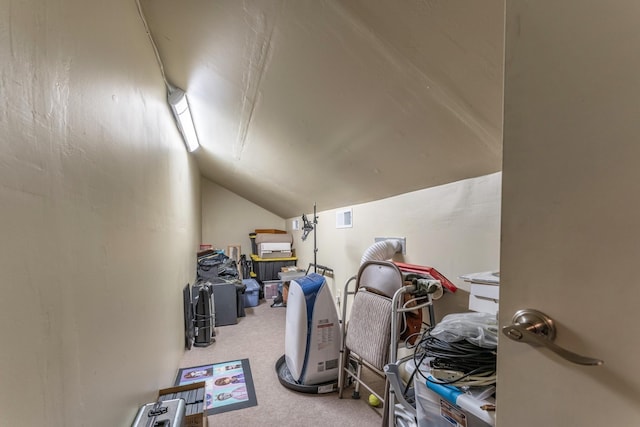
[(315, 245)]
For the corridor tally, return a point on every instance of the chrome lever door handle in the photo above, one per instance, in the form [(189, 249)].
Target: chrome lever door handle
[(536, 328)]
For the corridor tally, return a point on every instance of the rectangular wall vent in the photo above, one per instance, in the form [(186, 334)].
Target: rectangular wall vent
[(344, 218)]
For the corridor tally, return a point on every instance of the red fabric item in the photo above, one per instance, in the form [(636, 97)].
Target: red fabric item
[(412, 268)]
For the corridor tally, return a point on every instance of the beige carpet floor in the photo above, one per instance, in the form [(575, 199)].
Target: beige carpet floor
[(259, 337)]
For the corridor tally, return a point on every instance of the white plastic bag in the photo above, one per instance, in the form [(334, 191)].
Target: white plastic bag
[(480, 329)]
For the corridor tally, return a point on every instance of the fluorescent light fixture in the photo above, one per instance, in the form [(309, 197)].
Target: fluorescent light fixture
[(180, 107)]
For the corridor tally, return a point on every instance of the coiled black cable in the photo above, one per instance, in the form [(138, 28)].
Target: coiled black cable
[(476, 365)]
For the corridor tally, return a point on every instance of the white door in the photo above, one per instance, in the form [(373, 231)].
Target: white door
[(571, 211)]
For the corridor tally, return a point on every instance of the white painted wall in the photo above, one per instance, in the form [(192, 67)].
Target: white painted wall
[(99, 216), (227, 219), (454, 228)]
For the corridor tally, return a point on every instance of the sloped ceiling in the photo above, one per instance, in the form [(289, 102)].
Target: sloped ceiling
[(336, 102)]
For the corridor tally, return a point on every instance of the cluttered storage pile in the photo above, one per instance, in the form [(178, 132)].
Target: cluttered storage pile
[(457, 370)]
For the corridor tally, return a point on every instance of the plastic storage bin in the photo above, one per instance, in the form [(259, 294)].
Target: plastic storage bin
[(254, 246), (271, 288), (274, 250), (268, 269), (251, 293), (435, 410)]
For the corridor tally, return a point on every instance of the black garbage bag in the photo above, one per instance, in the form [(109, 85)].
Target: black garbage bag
[(216, 265)]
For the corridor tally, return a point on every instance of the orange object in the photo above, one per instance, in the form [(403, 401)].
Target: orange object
[(270, 231)]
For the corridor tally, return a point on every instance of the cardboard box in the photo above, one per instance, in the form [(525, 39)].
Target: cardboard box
[(269, 231), (195, 420), (484, 298)]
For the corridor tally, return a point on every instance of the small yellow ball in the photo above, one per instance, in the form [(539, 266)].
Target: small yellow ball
[(374, 401)]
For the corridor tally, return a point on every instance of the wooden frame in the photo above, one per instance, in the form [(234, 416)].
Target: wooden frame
[(234, 252)]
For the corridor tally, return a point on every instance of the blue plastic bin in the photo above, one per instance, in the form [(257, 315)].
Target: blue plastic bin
[(251, 293)]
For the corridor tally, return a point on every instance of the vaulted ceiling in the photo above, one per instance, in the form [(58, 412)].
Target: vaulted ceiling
[(336, 102)]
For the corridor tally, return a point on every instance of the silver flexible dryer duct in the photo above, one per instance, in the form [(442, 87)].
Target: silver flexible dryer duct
[(381, 251)]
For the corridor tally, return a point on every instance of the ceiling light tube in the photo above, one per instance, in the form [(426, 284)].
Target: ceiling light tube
[(180, 106)]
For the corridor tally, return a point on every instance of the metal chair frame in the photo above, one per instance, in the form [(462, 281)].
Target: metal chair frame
[(394, 293), (396, 399)]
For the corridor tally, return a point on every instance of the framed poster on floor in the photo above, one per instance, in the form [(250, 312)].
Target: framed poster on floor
[(229, 385)]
